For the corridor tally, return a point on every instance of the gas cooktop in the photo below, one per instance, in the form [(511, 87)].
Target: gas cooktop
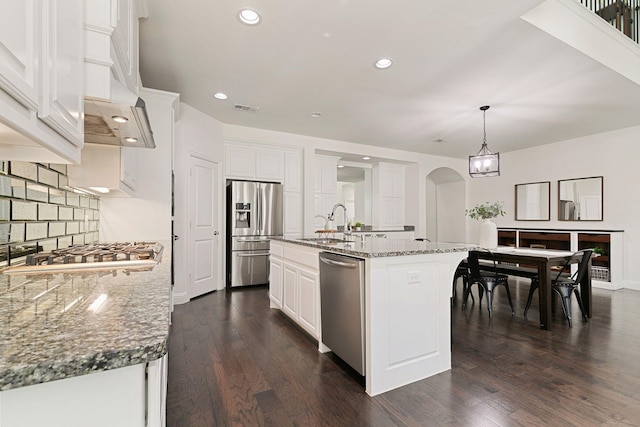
[(95, 255)]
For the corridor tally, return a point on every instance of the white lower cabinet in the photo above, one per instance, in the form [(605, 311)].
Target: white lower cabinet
[(130, 396), (294, 284)]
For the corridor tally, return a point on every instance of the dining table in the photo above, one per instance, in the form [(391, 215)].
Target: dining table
[(529, 262)]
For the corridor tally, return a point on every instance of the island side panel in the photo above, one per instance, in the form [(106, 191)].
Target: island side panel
[(408, 318)]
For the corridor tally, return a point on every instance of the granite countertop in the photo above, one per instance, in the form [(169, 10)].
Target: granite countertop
[(374, 247), (50, 330)]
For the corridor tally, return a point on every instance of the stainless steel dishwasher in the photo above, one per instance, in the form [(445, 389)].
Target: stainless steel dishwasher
[(342, 307)]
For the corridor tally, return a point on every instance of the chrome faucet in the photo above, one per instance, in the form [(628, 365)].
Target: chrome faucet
[(346, 228)]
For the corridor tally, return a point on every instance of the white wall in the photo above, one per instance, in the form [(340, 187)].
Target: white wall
[(147, 216), (196, 134), (611, 155)]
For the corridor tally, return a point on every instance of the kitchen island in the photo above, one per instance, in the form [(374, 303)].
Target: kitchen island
[(84, 347), (407, 310)]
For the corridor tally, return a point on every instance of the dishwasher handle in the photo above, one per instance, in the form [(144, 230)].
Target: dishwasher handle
[(339, 263)]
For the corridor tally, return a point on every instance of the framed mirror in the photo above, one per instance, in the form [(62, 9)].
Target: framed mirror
[(533, 201), (580, 199)]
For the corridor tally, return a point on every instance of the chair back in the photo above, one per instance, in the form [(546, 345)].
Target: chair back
[(583, 265), (474, 264)]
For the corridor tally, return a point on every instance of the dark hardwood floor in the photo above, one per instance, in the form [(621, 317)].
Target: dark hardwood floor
[(234, 361)]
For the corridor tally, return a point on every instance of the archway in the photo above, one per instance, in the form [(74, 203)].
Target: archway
[(445, 206)]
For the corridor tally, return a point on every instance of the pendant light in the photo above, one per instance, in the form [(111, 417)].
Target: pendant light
[(485, 163)]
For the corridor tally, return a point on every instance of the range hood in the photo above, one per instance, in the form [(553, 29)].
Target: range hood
[(121, 121)]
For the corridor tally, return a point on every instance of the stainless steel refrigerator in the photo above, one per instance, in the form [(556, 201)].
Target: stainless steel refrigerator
[(254, 214)]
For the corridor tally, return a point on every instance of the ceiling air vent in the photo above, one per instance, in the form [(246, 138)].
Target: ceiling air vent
[(240, 107)]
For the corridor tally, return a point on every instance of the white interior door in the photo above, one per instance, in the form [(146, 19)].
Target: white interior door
[(203, 252)]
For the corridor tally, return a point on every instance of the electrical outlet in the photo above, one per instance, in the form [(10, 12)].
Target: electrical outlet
[(413, 277)]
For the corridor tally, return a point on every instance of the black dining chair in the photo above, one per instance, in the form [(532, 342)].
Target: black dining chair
[(565, 286), (486, 279), (462, 271)]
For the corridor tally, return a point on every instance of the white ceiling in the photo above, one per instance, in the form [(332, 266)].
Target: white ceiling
[(450, 58)]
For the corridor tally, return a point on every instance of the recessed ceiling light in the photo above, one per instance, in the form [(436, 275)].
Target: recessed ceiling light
[(439, 140), (120, 119), (131, 139), (316, 114), (366, 158), (220, 95), (383, 63), (249, 16), (340, 166)]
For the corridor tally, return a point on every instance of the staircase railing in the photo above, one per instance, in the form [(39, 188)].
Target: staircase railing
[(622, 14)]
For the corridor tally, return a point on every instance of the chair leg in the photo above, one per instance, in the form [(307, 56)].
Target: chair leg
[(466, 290), (565, 295), (490, 301), (506, 285), (532, 289), (579, 299)]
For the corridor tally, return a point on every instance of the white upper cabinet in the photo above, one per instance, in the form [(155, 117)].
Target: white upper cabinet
[(42, 79), (124, 41), (240, 161), (292, 171), (326, 174), (388, 196), (19, 36), (62, 96), (269, 164)]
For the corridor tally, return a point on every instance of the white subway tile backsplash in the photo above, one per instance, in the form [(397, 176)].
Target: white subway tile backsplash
[(73, 227), (5, 210), (26, 211), (24, 169), (57, 197), (38, 210), (36, 192), (58, 168), (65, 213), (65, 241), (47, 212), (73, 199), (47, 177), (37, 230), (57, 229)]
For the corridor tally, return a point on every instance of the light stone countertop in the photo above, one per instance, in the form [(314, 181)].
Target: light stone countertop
[(376, 247), (48, 330)]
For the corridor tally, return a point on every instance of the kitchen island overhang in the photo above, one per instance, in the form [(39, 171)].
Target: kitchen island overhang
[(408, 286)]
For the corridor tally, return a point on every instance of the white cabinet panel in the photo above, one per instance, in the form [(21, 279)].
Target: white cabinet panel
[(308, 282), (269, 164), (290, 290), (125, 43), (292, 214), (275, 281), (62, 102), (240, 162), (19, 33), (292, 171)]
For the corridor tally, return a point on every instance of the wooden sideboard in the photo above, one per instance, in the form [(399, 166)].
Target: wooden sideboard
[(607, 268)]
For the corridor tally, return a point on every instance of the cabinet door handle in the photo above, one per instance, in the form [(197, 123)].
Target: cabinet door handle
[(215, 233), (251, 255)]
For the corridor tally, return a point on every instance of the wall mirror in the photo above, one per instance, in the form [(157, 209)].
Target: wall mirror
[(533, 201), (580, 199)]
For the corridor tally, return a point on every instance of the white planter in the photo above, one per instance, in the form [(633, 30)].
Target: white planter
[(488, 234)]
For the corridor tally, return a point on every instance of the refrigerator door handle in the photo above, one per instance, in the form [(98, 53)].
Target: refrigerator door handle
[(260, 202)]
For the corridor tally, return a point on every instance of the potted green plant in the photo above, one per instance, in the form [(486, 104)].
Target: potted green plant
[(358, 226), (597, 251), (488, 229)]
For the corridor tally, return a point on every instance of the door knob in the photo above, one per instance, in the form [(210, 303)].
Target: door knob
[(175, 237), (215, 233)]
